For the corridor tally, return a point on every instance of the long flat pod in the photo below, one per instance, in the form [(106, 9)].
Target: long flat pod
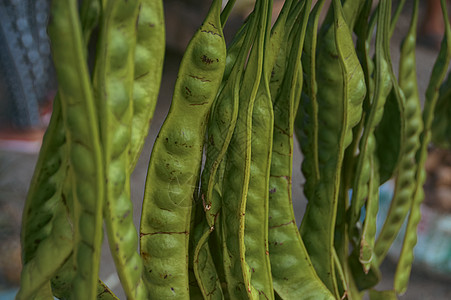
[(45, 187), (405, 181), (441, 133), (280, 45), (175, 162), (149, 58), (51, 254), (292, 273), (438, 74), (410, 131), (306, 122), (113, 83), (43, 211), (340, 99), (256, 218), (237, 169), (83, 142), (367, 147), (368, 236), (220, 129)]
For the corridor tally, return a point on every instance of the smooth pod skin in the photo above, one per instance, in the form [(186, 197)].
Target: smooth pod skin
[(113, 84), (438, 74), (361, 189), (410, 130), (83, 143), (280, 45), (441, 135), (236, 176), (49, 256), (175, 163), (367, 239), (149, 58), (256, 218), (220, 128), (404, 186), (292, 272), (45, 187), (336, 118), (306, 122)]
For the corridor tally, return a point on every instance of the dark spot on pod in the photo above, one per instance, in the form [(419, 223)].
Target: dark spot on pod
[(272, 191), (208, 50), (207, 60), (172, 289), (188, 91)]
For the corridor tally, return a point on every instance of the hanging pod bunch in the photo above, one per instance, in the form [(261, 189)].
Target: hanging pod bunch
[(217, 219)]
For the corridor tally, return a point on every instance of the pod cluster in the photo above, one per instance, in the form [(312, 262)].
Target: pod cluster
[(217, 219)]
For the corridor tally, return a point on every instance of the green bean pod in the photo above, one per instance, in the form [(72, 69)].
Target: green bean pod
[(441, 135), (412, 125), (388, 133), (389, 130), (256, 218), (113, 83), (438, 74), (306, 122), (364, 36), (149, 58), (45, 188), (220, 128), (292, 272), (49, 256), (363, 172), (83, 143), (340, 75), (175, 162), (237, 171), (280, 45), (368, 236)]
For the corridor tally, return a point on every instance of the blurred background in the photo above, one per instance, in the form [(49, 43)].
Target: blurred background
[(27, 87)]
